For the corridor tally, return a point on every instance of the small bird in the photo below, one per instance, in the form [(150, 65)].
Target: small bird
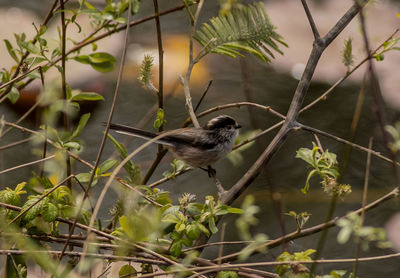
[(197, 147)]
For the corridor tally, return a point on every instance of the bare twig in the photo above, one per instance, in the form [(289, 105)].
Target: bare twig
[(363, 203), (91, 255), (13, 144), (24, 129), (317, 228), (311, 20), (103, 141), (340, 81), (185, 81), (27, 164)]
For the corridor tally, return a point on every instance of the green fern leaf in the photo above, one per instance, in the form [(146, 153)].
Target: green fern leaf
[(247, 29)]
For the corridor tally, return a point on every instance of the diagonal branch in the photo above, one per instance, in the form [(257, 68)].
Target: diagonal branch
[(311, 20)]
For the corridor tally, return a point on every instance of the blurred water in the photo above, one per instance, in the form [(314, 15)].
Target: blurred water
[(285, 173)]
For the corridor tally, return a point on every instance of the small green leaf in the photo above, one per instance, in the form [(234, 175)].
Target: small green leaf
[(227, 274), (10, 197), (379, 57), (235, 210), (84, 59), (176, 248), (160, 121), (213, 227), (344, 235), (101, 57), (86, 96), (11, 51), (135, 5), (35, 210), (82, 123), (83, 177), (127, 271), (72, 145), (49, 212), (106, 165), (193, 231), (13, 95), (31, 48)]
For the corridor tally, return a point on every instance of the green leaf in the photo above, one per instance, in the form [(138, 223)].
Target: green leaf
[(106, 165), (101, 57), (160, 121), (35, 210), (72, 145), (82, 123), (127, 271), (193, 231), (135, 5), (306, 155), (227, 274), (83, 177), (130, 167), (49, 212), (19, 188), (20, 271), (213, 227), (31, 48), (344, 235), (11, 51), (86, 96), (176, 248), (10, 197), (13, 95), (235, 210), (247, 29), (100, 61), (125, 224)]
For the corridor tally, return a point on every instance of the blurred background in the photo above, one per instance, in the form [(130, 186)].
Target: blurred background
[(277, 189)]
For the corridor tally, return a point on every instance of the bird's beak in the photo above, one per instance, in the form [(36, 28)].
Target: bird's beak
[(238, 126)]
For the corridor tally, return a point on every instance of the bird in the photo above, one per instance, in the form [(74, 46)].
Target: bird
[(197, 147)]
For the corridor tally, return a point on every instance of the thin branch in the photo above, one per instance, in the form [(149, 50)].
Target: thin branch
[(25, 55), (24, 129), (27, 164), (363, 203), (23, 141), (377, 93), (185, 81), (104, 139), (23, 117), (311, 20), (203, 95), (294, 109), (64, 83), (317, 228), (234, 267), (341, 140), (91, 255), (86, 42), (121, 181), (340, 81)]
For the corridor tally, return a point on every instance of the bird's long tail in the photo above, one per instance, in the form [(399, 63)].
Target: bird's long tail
[(131, 131)]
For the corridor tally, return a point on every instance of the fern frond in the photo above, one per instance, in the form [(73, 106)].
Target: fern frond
[(242, 30)]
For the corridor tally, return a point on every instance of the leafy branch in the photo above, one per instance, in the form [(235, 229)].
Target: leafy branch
[(245, 29)]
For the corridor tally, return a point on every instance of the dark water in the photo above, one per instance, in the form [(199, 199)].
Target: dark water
[(284, 173)]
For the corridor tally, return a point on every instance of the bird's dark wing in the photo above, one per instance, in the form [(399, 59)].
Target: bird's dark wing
[(195, 137)]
